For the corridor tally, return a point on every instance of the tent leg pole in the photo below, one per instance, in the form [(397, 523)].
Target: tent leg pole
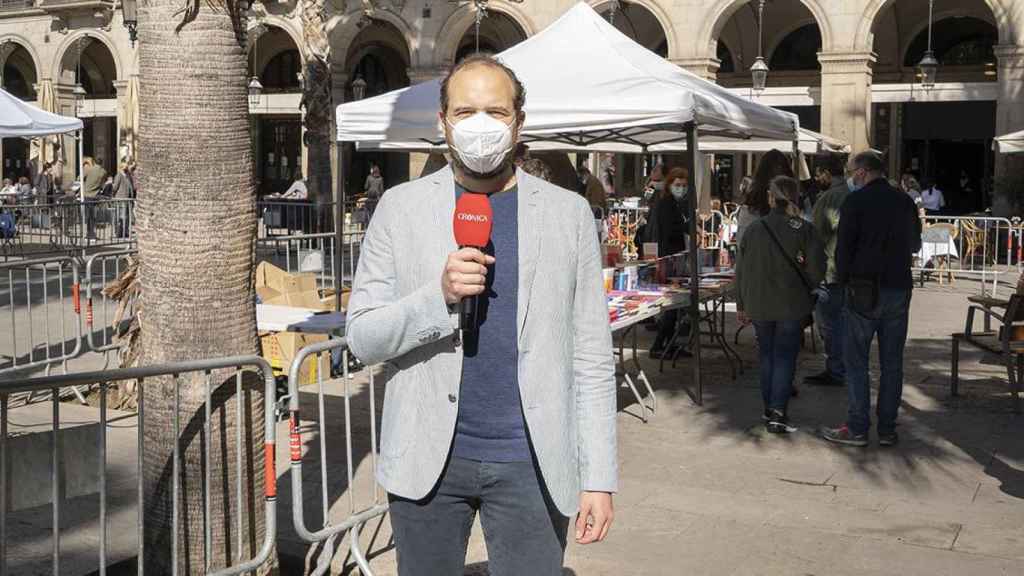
[(694, 253), (339, 223), (83, 213)]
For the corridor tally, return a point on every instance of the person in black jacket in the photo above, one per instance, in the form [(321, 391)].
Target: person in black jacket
[(879, 232), (670, 229)]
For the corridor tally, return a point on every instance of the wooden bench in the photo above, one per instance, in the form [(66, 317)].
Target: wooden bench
[(1006, 341)]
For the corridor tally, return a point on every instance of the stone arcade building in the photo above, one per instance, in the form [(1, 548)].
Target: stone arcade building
[(846, 67)]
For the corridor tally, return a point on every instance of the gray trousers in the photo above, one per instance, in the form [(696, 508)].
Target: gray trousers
[(524, 532)]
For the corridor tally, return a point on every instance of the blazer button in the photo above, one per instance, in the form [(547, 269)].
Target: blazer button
[(451, 398)]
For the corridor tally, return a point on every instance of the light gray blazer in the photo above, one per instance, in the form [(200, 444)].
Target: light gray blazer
[(397, 315)]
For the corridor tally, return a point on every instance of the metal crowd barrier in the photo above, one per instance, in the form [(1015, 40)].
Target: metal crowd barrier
[(357, 516), (103, 379), (68, 224), (311, 253), (283, 217), (44, 291), (986, 247)]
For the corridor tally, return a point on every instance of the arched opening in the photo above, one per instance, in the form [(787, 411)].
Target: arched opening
[(962, 41), (19, 79), (498, 32), (89, 62), (939, 138), (379, 56), (640, 24), (724, 55), (798, 50), (791, 40), (276, 59)]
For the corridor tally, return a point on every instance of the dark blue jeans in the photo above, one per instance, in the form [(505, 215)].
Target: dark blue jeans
[(830, 325), (889, 320), (524, 532), (778, 345)]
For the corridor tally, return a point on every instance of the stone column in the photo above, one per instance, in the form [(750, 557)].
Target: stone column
[(122, 138), (846, 96), (706, 68), (1009, 170)]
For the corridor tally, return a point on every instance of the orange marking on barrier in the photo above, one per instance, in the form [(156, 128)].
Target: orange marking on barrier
[(76, 289), (269, 471), (294, 438), (88, 312)]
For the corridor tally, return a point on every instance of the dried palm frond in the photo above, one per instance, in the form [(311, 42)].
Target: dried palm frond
[(127, 326)]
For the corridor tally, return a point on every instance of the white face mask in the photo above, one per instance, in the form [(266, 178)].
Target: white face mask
[(481, 142), (679, 192)]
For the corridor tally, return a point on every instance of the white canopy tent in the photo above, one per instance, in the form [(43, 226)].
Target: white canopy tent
[(587, 86), (1012, 143), (20, 119)]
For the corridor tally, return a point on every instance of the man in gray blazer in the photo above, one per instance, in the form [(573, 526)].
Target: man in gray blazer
[(516, 419)]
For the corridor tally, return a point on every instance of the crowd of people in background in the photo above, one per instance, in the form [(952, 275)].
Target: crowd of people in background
[(840, 251)]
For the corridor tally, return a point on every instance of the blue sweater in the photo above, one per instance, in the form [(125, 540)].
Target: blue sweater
[(490, 425)]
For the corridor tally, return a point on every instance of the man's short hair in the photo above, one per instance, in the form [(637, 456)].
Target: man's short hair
[(518, 101), (869, 161)]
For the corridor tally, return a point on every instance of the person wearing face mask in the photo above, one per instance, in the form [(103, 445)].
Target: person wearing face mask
[(829, 311), (515, 419), (670, 222), (879, 232), (781, 262)]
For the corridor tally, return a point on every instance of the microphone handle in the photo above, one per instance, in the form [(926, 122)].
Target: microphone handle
[(468, 321)]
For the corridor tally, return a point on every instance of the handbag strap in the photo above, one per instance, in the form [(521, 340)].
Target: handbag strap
[(792, 262)]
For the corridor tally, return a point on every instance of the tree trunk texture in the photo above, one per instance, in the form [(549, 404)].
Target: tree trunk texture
[(197, 227), (316, 101)]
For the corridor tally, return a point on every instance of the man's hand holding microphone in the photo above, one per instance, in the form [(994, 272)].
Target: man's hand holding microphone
[(465, 274)]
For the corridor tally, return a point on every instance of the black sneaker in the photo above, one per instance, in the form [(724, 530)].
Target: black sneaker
[(844, 436), (823, 379), (888, 438), (778, 423), (766, 415)]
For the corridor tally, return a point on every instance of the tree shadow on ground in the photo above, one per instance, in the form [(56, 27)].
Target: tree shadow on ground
[(936, 429)]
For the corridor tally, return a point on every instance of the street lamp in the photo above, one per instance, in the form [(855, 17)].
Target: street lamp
[(929, 66), (358, 88), (759, 71), (255, 91), (79, 94), (130, 16)]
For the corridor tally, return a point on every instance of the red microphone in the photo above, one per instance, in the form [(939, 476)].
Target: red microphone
[(472, 225)]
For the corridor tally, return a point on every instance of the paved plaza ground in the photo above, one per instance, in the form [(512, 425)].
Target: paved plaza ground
[(706, 491)]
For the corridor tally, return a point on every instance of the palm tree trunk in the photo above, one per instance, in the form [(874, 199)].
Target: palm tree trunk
[(196, 227), (316, 100)]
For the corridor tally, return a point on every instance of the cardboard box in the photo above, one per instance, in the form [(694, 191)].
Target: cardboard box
[(275, 286), (329, 301), (281, 348)]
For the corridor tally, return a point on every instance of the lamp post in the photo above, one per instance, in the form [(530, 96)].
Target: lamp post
[(929, 66), (358, 88), (759, 71), (130, 17), (613, 8), (255, 91)]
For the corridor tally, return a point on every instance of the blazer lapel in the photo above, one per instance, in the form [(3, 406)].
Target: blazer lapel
[(530, 223), (444, 209)]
